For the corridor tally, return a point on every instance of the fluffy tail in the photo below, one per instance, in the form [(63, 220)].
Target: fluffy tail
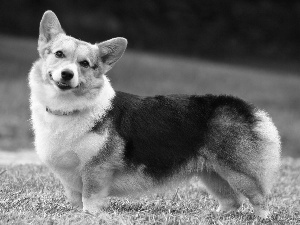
[(271, 149)]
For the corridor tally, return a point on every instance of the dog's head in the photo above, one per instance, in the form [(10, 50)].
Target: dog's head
[(72, 68)]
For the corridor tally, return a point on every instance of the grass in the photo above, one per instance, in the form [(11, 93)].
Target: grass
[(31, 194), (149, 74)]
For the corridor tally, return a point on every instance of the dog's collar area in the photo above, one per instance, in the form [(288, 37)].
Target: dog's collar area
[(62, 113)]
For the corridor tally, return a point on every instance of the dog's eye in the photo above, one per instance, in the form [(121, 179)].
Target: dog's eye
[(84, 64), (59, 54)]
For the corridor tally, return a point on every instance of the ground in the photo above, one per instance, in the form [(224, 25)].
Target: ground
[(31, 194)]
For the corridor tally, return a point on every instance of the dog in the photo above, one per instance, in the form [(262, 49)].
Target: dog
[(101, 142)]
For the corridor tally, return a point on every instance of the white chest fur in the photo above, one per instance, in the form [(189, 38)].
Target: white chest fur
[(66, 141)]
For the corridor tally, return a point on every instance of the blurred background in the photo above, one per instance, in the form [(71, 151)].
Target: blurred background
[(250, 49)]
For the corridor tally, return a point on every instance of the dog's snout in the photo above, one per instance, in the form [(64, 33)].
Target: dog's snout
[(67, 75)]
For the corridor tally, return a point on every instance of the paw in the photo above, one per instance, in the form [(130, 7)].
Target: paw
[(76, 204), (75, 201), (93, 206), (226, 209), (261, 213), (228, 206), (91, 210)]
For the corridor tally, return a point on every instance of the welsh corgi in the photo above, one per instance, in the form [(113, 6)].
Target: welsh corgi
[(101, 142)]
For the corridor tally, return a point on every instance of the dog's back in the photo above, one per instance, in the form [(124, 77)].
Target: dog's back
[(174, 129)]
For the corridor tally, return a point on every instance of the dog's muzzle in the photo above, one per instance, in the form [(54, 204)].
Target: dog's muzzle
[(65, 80)]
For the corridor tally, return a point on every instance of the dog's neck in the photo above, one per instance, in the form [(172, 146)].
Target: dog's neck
[(62, 113), (87, 110)]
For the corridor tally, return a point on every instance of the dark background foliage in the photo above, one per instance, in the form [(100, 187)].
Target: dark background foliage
[(206, 28)]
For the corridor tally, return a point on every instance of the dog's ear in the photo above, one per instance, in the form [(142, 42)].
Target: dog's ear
[(49, 28), (111, 51)]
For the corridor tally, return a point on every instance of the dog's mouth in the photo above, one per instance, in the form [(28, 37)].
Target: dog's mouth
[(63, 86)]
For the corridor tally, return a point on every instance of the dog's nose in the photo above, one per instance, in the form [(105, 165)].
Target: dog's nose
[(67, 75)]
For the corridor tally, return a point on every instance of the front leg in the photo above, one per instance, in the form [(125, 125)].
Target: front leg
[(72, 183), (96, 186), (74, 197)]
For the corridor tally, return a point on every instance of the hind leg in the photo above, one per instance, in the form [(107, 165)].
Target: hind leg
[(250, 187), (253, 191), (228, 198)]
